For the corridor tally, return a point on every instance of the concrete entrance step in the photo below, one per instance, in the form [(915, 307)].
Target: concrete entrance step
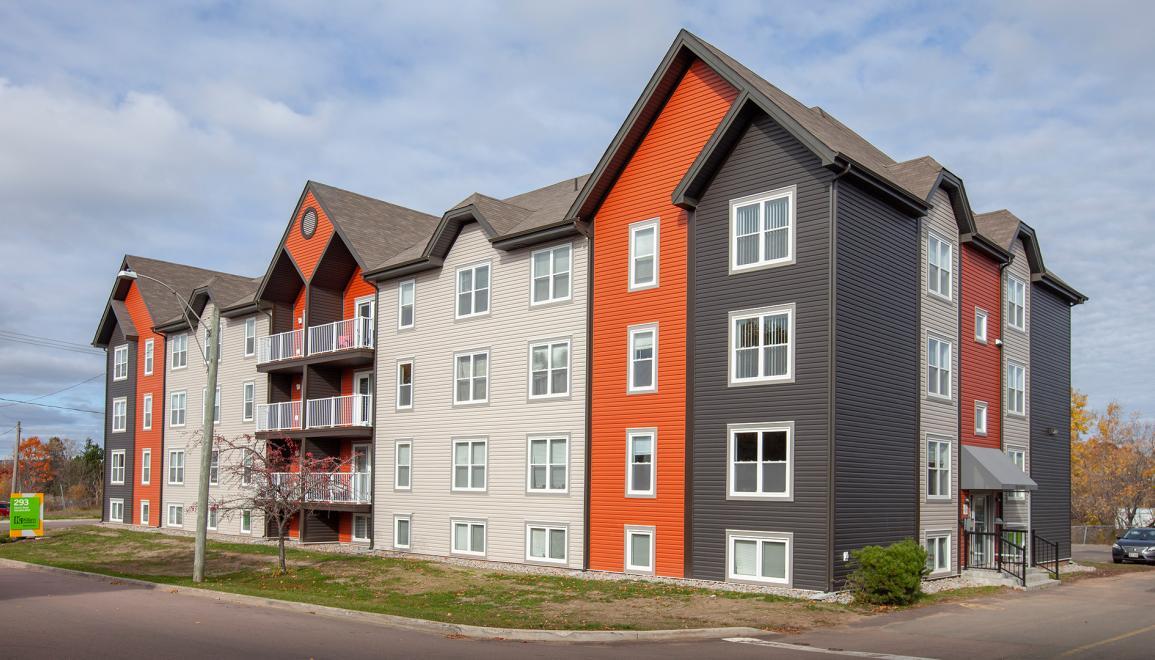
[(1037, 578)]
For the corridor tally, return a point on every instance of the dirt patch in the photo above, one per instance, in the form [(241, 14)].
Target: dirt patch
[(698, 612)]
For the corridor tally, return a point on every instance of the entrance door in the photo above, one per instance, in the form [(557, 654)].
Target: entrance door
[(361, 472), (363, 404), (363, 323), (982, 523)]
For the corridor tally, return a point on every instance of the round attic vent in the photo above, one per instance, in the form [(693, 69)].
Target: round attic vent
[(309, 223)]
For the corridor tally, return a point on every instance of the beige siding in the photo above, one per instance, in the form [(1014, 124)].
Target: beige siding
[(506, 420), (939, 417), (1017, 348)]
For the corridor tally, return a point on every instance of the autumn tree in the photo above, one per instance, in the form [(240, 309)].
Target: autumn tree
[(35, 465), (1081, 416), (1113, 470)]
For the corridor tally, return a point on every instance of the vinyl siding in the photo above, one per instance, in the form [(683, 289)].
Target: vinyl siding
[(765, 158), (876, 383), (123, 440), (981, 375), (151, 439), (506, 420), (1017, 347), (1050, 383), (307, 252)]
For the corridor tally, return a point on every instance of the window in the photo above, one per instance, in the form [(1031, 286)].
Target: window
[(473, 291), (640, 444), (406, 298), (549, 369), (119, 415), (247, 466), (548, 465), (177, 401), (545, 543), (761, 345), (179, 353), (213, 518), (216, 403), (215, 468), (1016, 303), (117, 463), (760, 461), (980, 326), (246, 521), (762, 230), (644, 255), (759, 558), (145, 467), (120, 362), (404, 465), (175, 515), (145, 511), (176, 467), (551, 275), (401, 532), (640, 549), (468, 537), (938, 469), (1016, 389), (361, 527), (146, 415), (250, 336), (405, 385), (116, 510), (938, 366), (938, 553), (469, 464), (248, 393), (472, 379), (149, 352), (643, 358), (980, 418), (208, 343), (939, 256), (1018, 456)]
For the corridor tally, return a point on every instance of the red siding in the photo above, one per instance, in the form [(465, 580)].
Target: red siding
[(981, 374), (154, 385)]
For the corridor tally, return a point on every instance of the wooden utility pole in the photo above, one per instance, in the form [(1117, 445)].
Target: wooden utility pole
[(16, 462)]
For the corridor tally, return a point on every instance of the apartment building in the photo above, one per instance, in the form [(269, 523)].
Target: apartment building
[(748, 343)]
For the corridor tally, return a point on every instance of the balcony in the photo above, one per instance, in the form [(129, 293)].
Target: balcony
[(331, 487), (281, 346), (339, 411), (337, 416), (346, 343), (279, 416)]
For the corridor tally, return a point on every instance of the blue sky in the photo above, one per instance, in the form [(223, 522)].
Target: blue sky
[(185, 131)]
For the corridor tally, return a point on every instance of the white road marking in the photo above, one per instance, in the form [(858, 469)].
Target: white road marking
[(814, 649)]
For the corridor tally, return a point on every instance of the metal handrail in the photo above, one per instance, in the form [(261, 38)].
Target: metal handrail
[(1045, 554), (349, 410), (341, 335), (281, 346), (284, 416), (1004, 556), (348, 487)]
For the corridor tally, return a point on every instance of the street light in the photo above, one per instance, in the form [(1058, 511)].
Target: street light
[(210, 357)]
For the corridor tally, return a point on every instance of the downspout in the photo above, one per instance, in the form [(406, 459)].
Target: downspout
[(832, 328), (588, 233)]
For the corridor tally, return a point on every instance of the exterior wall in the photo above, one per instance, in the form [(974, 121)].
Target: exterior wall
[(876, 367), (642, 192), (506, 420), (1050, 383), (1017, 347), (981, 375), (190, 379), (939, 417), (357, 288), (307, 252), (766, 158), (146, 384), (121, 440)]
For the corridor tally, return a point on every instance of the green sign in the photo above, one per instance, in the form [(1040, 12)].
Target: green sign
[(26, 515)]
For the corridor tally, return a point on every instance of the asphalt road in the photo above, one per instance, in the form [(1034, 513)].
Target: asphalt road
[(1087, 552), (60, 616)]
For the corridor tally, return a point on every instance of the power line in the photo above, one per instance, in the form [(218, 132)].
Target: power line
[(48, 405), (45, 396), (83, 351), (46, 339)]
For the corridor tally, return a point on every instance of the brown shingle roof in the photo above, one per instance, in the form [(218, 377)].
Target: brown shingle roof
[(377, 230), (1001, 227), (917, 176), (163, 306)]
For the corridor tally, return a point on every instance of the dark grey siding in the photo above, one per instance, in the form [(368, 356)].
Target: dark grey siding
[(876, 381), (125, 440), (764, 159), (1049, 390), (321, 526)]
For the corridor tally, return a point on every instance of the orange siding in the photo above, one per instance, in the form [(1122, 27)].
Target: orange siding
[(357, 288), (154, 385), (643, 192), (307, 252), (299, 309)]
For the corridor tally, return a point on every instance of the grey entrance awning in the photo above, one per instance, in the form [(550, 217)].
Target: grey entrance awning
[(984, 468)]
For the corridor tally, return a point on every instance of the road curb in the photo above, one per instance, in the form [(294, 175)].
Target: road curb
[(418, 625)]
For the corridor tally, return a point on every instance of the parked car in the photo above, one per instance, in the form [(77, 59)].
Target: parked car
[(1138, 544), (3, 509)]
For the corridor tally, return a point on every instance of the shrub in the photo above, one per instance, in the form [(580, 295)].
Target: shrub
[(888, 576)]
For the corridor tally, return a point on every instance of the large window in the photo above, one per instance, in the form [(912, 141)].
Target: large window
[(361, 527), (149, 356), (980, 418), (175, 515), (551, 274), (250, 336), (146, 413), (640, 445), (471, 378), (762, 230), (473, 290), (116, 460), (759, 558), (548, 465), (116, 510), (1016, 389), (468, 537), (643, 376), (406, 303), (1016, 303), (760, 461), (549, 369), (938, 468), (248, 393), (640, 549), (402, 526), (938, 367), (761, 345), (938, 552), (405, 385), (644, 255), (939, 266), (179, 351), (120, 362), (177, 402), (1018, 456), (546, 543), (119, 415), (469, 464), (176, 467), (403, 474), (145, 467)]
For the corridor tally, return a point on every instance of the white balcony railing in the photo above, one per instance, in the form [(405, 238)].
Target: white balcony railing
[(284, 416), (281, 346), (341, 335), (350, 487), (351, 410)]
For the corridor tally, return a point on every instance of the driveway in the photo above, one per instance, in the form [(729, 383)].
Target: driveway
[(1088, 552)]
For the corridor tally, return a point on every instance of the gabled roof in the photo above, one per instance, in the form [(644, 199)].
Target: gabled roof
[(374, 230), (1000, 226), (228, 292), (1003, 227), (919, 175)]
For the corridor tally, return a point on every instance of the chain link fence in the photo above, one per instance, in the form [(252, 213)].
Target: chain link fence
[(1094, 534)]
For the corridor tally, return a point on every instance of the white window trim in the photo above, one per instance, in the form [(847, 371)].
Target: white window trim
[(453, 523), (149, 356), (1018, 495), (457, 291), (145, 464), (488, 381), (145, 513), (548, 527), (172, 408), (216, 403), (241, 521), (412, 383), (112, 467), (949, 495), (949, 396), (453, 465), (397, 464), (731, 431), (549, 344), (634, 229), (176, 341), (211, 524), (250, 322), (368, 525), (938, 534), (1011, 279), (551, 300), (120, 401), (632, 331), (112, 502), (248, 388), (413, 321), (408, 518), (986, 325), (632, 530), (790, 192), (146, 413), (732, 338), (982, 405), (169, 468), (168, 515), (1009, 411), (949, 295), (116, 354), (529, 440), (216, 458), (759, 536), (630, 490)]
